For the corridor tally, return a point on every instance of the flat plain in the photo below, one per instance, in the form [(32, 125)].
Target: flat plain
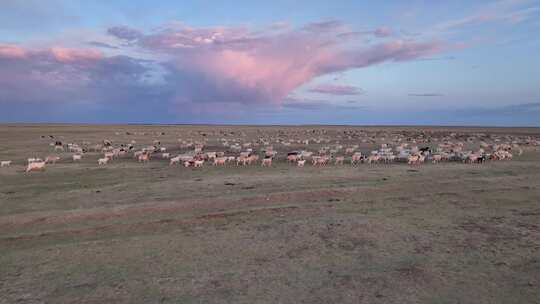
[(132, 232)]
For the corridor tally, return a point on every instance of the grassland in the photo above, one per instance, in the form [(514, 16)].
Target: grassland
[(149, 233)]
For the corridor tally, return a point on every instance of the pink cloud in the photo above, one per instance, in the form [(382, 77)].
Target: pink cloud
[(383, 32), (239, 65), (72, 55), (12, 51), (331, 89), (58, 75), (198, 69), (503, 11)]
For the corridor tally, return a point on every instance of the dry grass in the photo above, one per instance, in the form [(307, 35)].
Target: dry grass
[(134, 233)]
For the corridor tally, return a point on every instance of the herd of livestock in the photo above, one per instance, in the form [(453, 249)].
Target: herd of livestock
[(313, 147)]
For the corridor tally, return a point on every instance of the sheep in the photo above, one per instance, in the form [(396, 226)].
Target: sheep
[(34, 160), (270, 153), (413, 159), (211, 155), (144, 157), (5, 163), (245, 154), (136, 154), (242, 160), (174, 160), (373, 159), (165, 155), (356, 157), (103, 161), (301, 163), (109, 155), (52, 159), (35, 166), (292, 158), (266, 162), (198, 163), (77, 157), (220, 161), (339, 160), (436, 158), (320, 160)]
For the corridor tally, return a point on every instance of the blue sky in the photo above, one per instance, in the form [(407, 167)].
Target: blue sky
[(279, 62)]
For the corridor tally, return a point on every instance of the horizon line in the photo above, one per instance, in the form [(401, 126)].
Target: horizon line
[(268, 125)]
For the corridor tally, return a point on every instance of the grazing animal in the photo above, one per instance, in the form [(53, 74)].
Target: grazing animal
[(292, 158), (253, 158), (174, 160), (211, 155), (339, 160), (35, 166), (77, 157), (320, 160), (481, 159), (109, 155), (425, 150), (52, 159), (373, 159), (103, 161), (220, 161), (301, 163), (357, 156), (471, 158), (34, 160), (145, 157), (270, 153), (5, 163), (413, 159), (242, 160), (166, 155), (198, 163), (266, 162)]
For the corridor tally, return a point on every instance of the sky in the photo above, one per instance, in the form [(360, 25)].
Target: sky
[(271, 62)]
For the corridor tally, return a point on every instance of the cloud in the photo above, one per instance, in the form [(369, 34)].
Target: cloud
[(124, 33), (438, 58), (193, 70), (236, 64), (336, 89), (58, 75), (12, 51), (307, 104), (383, 32), (325, 26), (426, 94), (523, 108), (102, 45), (505, 11)]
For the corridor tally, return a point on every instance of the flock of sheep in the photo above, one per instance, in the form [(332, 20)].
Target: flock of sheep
[(413, 148)]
